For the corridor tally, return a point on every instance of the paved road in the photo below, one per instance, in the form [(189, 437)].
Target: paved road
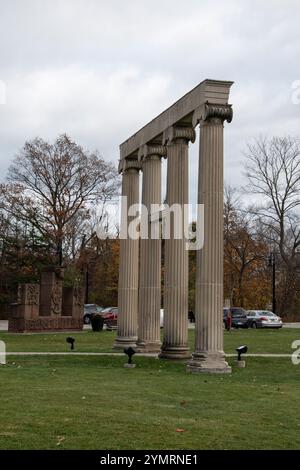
[(4, 325), (291, 325)]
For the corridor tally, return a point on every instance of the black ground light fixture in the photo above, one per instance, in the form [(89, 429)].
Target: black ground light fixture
[(71, 341), (241, 350), (129, 352)]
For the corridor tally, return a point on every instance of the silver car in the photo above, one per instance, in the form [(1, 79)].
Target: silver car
[(263, 319)]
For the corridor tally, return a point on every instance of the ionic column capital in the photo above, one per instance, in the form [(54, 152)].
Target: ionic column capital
[(148, 151), (212, 113), (174, 133), (129, 164)]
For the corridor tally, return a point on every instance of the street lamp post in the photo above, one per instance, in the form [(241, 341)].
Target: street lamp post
[(87, 284), (272, 264)]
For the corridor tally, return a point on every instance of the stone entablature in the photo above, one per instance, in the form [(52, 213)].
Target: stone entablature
[(184, 111)]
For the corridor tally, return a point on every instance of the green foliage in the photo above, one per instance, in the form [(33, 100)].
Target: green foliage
[(72, 277)]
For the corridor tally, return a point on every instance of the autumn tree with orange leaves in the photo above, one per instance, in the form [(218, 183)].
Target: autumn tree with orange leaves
[(52, 187)]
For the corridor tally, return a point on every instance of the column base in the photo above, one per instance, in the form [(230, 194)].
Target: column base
[(122, 342), (148, 346), (213, 363), (175, 353)]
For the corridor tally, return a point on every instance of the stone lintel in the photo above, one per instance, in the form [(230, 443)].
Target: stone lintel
[(212, 91)]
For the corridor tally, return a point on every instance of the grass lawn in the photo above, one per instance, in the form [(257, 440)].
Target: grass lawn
[(258, 341), (94, 403)]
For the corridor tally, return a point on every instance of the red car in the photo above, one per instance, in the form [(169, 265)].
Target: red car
[(110, 316)]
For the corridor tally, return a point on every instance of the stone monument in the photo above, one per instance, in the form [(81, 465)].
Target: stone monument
[(47, 306), (168, 135)]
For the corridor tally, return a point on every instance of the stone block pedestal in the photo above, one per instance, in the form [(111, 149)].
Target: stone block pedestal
[(47, 306)]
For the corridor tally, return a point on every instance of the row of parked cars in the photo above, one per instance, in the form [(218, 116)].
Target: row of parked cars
[(109, 314), (241, 318)]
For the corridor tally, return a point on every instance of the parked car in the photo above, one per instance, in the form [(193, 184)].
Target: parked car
[(89, 311), (161, 317), (238, 317), (263, 319), (110, 317)]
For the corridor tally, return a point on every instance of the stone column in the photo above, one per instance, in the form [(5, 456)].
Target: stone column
[(150, 255), (51, 291), (129, 261), (209, 355), (175, 343)]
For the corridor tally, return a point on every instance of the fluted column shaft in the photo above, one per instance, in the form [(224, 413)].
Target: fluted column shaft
[(209, 355), (150, 259), (175, 343), (128, 267)]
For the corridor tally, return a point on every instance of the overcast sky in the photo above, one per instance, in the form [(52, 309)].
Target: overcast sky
[(99, 70)]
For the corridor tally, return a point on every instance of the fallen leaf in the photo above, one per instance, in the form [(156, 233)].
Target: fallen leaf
[(60, 439)]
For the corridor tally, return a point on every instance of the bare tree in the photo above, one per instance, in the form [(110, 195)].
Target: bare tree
[(273, 171), (53, 186)]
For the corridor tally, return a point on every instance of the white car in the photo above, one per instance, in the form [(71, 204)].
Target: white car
[(161, 317), (263, 319)]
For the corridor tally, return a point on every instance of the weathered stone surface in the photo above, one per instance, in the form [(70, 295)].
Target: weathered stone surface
[(40, 324), (51, 291), (150, 258), (27, 305), (129, 267), (25, 313), (175, 343), (29, 294), (212, 91), (209, 355)]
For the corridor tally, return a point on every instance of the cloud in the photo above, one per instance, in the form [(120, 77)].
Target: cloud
[(89, 105), (101, 70)]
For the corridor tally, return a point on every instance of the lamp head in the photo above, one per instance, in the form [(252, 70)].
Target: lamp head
[(130, 352), (241, 350), (71, 341)]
